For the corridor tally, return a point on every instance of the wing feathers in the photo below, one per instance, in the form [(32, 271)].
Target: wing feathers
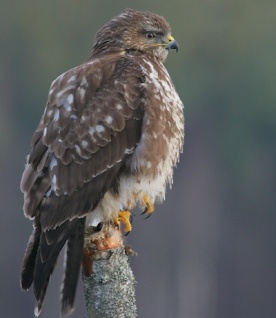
[(91, 125), (29, 259), (28, 179), (79, 203), (34, 197)]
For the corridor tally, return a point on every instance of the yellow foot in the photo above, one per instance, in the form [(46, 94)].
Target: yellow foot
[(149, 206), (124, 217)]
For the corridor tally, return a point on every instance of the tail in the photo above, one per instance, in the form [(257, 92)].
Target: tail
[(41, 256)]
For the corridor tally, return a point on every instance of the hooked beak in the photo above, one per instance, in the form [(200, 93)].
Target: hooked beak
[(172, 45)]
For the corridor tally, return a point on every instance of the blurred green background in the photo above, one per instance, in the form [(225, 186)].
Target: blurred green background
[(209, 250)]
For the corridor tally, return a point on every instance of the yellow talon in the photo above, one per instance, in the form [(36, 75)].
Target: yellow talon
[(148, 204), (124, 217)]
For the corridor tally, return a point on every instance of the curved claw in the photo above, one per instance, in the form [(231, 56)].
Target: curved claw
[(147, 216), (124, 217), (98, 227), (145, 211), (149, 206)]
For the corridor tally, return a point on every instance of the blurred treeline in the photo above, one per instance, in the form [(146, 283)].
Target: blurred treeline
[(209, 250)]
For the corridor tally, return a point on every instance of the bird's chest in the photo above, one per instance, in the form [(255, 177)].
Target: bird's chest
[(163, 124), (150, 168)]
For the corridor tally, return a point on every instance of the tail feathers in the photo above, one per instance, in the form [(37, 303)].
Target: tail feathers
[(41, 284), (72, 268), (41, 257), (47, 257), (29, 259)]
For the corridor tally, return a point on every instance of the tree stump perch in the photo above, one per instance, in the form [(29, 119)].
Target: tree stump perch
[(109, 283)]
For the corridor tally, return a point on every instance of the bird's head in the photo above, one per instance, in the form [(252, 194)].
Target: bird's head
[(136, 32)]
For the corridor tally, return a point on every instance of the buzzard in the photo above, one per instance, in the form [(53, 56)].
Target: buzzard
[(108, 140)]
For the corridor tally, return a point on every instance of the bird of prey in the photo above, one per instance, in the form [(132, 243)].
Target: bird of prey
[(109, 138)]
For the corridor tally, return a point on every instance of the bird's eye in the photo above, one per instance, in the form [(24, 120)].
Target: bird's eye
[(150, 35)]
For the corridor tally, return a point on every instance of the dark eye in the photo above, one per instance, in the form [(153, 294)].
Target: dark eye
[(150, 35)]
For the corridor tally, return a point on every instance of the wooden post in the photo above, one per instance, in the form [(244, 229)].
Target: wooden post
[(109, 284)]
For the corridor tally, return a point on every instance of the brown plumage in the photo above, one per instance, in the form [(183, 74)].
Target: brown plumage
[(111, 133)]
